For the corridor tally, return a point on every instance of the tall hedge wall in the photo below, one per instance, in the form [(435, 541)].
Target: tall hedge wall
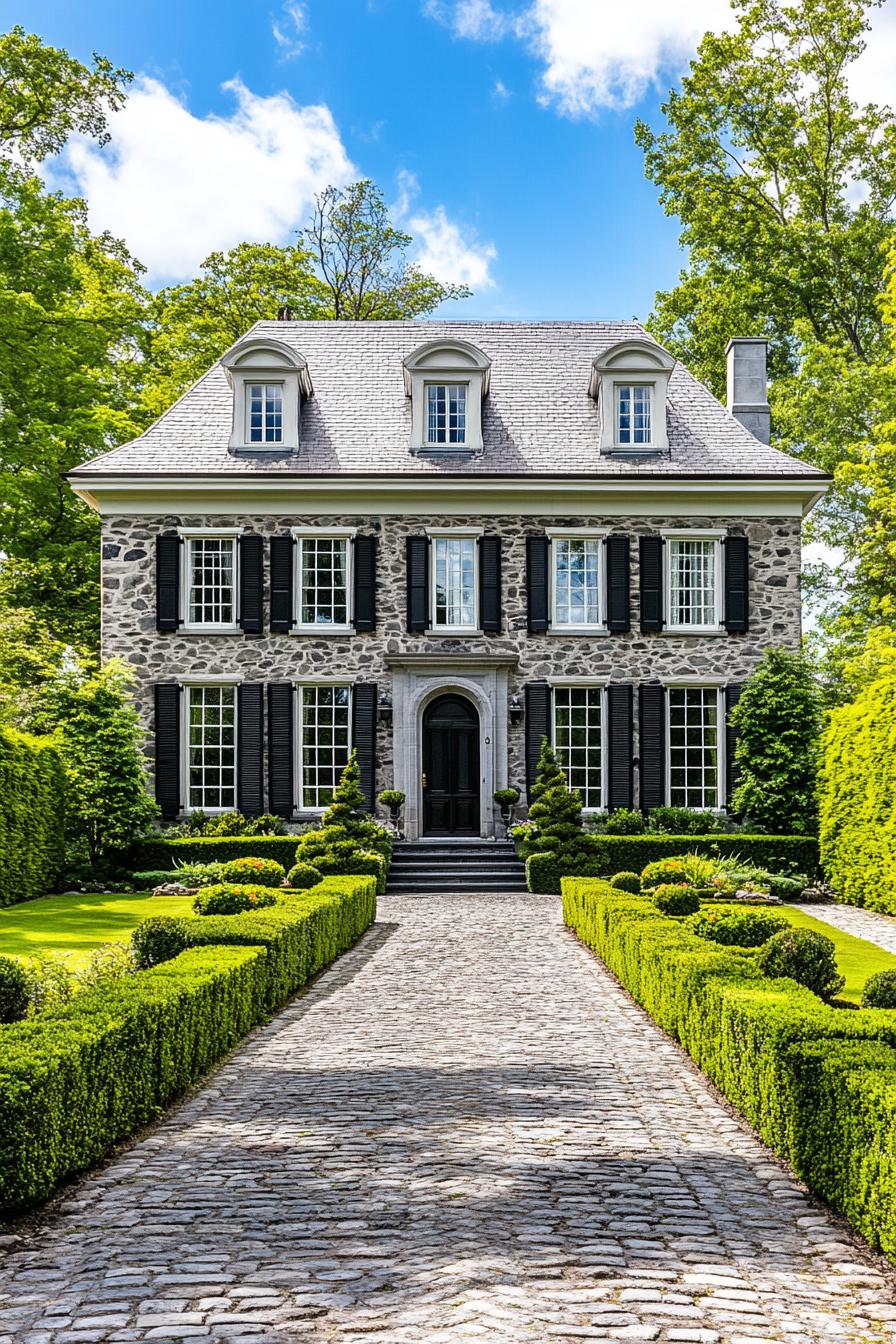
[(155, 853), (77, 1080), (32, 816), (817, 1083), (858, 798)]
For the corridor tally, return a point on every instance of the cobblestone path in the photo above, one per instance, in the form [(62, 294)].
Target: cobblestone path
[(867, 924), (463, 1133)]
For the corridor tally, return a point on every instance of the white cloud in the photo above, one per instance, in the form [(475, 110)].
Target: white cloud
[(177, 187), (442, 248), (289, 28), (871, 78), (475, 19), (501, 91)]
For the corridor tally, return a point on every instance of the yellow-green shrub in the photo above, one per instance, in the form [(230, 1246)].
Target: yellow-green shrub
[(32, 816)]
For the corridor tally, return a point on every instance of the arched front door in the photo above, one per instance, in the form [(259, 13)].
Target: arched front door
[(450, 767)]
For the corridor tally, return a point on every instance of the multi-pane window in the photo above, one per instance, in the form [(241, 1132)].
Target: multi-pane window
[(323, 580), (264, 412), (578, 712), (211, 591), (211, 747), (446, 413), (633, 414), (576, 580), (324, 742), (694, 747), (692, 582), (454, 571)]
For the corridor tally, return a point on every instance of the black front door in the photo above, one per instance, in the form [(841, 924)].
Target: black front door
[(450, 767)]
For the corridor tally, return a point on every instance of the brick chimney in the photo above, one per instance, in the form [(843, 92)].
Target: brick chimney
[(748, 384)]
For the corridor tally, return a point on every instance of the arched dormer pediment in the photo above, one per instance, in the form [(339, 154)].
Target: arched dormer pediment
[(269, 380), (446, 381), (630, 380)]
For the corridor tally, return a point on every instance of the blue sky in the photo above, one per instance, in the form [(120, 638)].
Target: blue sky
[(502, 131)]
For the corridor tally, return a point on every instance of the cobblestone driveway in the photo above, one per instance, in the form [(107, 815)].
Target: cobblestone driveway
[(464, 1132)]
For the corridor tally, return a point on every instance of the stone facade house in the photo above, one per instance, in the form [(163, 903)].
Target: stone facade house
[(437, 542)]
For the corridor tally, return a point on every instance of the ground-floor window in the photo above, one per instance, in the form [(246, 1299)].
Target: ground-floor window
[(694, 746), (578, 739), (211, 747), (324, 741)]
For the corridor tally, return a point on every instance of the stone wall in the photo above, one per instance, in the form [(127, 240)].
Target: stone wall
[(129, 615)]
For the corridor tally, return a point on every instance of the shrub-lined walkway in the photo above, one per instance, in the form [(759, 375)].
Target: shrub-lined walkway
[(465, 1131)]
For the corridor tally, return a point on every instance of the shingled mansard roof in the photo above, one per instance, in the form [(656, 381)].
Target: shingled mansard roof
[(538, 418)]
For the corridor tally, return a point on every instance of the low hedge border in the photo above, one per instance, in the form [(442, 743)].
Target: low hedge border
[(817, 1083), (155, 853), (611, 854), (78, 1080)]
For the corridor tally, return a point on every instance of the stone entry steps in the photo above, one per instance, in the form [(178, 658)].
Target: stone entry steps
[(452, 866)]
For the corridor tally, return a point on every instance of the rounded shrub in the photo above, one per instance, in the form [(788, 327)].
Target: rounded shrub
[(673, 869), (738, 928), (623, 821), (13, 990), (880, 990), (626, 882), (805, 956), (303, 875), (675, 898), (231, 898), (156, 940), (263, 872)]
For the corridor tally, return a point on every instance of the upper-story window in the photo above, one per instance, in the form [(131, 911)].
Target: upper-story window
[(446, 381), (693, 565), (324, 568), (630, 381), (577, 581), (454, 581), (446, 413), (209, 580), (269, 381), (264, 412)]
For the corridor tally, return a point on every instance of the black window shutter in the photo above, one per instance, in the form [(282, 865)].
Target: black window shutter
[(167, 581), (537, 590), (364, 713), (653, 746), (364, 565), (418, 584), (281, 788), (250, 748), (651, 584), (732, 695), (737, 564), (619, 743), (618, 587), (167, 728), (538, 727), (251, 582), (490, 584), (282, 597)]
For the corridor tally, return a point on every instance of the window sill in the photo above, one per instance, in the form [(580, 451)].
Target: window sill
[(699, 630), (210, 630), (574, 630), (453, 631), (322, 630)]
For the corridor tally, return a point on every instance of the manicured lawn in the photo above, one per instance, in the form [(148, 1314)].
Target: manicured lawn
[(856, 959), (73, 926)]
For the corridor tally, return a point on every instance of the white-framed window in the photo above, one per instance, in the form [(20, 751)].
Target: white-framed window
[(634, 415), (577, 581), (454, 582), (323, 580), (694, 755), (209, 738), (446, 414), (323, 740), (264, 413), (209, 580), (693, 582), (578, 734)]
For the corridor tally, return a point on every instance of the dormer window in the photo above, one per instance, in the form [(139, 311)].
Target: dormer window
[(446, 382), (269, 381), (630, 381)]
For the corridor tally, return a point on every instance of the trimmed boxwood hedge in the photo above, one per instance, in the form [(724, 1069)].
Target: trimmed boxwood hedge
[(77, 1080), (817, 1083), (32, 816), (611, 854), (154, 852)]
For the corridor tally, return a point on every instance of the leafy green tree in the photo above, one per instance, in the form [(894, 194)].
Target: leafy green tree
[(30, 658), (778, 722), (348, 803), (556, 810), (100, 738)]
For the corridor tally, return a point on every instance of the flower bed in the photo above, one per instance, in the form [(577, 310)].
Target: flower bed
[(817, 1083), (77, 1080)]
